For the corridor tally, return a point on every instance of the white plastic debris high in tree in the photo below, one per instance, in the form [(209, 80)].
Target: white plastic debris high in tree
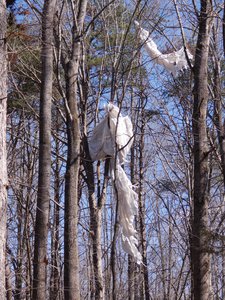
[(113, 137), (174, 62)]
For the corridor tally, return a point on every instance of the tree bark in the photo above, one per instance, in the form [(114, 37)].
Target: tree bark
[(223, 27), (218, 111), (43, 198), (55, 244), (200, 258), (96, 202), (9, 293), (71, 260), (95, 219), (132, 267), (113, 251), (3, 156), (141, 205), (220, 127)]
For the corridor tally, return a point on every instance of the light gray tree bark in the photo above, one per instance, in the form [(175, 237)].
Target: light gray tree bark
[(3, 156), (43, 198), (71, 67)]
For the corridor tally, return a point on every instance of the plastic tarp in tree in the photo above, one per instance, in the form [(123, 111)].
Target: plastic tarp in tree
[(113, 137), (173, 62)]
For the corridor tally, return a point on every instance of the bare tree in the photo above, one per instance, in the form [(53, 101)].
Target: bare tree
[(43, 200), (200, 257), (71, 67)]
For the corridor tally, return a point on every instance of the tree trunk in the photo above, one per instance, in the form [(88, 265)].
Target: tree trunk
[(200, 258), (113, 251), (55, 244), (132, 267), (8, 283), (18, 275), (223, 27), (43, 198), (223, 267), (141, 205), (95, 219), (95, 202), (3, 156), (218, 110), (220, 126), (71, 261)]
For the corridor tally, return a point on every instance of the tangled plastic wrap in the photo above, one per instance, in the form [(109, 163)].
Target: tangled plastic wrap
[(174, 62), (113, 137)]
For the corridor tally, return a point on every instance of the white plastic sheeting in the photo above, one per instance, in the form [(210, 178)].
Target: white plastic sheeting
[(173, 62), (113, 130), (127, 200), (113, 137)]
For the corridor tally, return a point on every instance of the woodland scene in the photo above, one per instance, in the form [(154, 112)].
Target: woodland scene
[(112, 149)]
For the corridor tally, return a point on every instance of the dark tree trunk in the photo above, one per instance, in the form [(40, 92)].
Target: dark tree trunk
[(218, 112), (43, 198), (18, 275), (220, 127), (200, 258), (113, 251), (223, 27), (3, 156), (141, 204), (132, 266), (55, 264), (95, 219)]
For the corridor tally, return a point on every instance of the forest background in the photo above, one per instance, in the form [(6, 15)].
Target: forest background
[(60, 63)]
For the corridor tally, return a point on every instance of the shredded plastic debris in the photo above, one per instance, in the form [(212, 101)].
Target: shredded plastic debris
[(113, 137), (174, 62)]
